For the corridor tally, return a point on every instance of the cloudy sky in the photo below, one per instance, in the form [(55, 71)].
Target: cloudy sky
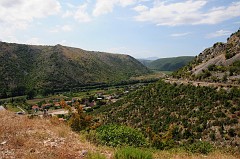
[(141, 28)]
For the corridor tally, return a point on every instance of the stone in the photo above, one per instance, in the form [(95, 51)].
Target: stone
[(84, 153)]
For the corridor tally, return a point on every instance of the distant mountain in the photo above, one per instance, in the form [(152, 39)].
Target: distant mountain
[(150, 58), (59, 66), (219, 63), (167, 64), (145, 62)]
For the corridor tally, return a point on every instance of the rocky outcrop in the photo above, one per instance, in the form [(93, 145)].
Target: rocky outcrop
[(220, 54)]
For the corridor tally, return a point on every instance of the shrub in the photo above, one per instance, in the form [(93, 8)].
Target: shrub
[(200, 147), (162, 143), (80, 121), (231, 132), (212, 67), (116, 135), (212, 136), (132, 153)]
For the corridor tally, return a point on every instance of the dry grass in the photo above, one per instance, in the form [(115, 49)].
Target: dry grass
[(21, 137)]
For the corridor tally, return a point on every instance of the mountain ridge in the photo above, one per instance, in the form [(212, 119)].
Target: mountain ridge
[(36, 66)]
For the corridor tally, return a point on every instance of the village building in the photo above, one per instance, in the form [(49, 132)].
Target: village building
[(35, 108)]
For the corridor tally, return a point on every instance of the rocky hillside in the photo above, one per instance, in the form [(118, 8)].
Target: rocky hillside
[(219, 63), (59, 67)]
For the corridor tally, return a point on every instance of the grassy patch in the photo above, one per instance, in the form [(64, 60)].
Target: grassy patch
[(95, 155), (132, 153), (12, 108), (154, 75), (36, 100)]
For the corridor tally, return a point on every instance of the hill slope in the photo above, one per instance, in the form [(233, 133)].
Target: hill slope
[(59, 66), (219, 63), (180, 114), (167, 64)]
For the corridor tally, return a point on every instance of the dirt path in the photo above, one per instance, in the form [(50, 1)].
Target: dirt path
[(56, 112), (200, 83), (21, 109)]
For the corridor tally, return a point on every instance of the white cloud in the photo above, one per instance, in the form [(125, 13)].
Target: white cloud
[(68, 14), (7, 34), (58, 28), (79, 13), (219, 33), (106, 6), (187, 12), (103, 7), (180, 34), (125, 3), (34, 41), (10, 39), (220, 14), (20, 13), (66, 28), (140, 8)]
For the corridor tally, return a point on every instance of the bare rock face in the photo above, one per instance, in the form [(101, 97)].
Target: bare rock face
[(220, 54), (212, 52)]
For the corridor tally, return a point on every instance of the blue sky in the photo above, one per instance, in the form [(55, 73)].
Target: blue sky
[(140, 28)]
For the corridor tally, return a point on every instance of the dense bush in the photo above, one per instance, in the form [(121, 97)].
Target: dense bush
[(116, 135), (132, 153)]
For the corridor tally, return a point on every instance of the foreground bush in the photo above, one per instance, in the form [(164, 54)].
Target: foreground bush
[(116, 135), (200, 147), (132, 153), (80, 120)]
